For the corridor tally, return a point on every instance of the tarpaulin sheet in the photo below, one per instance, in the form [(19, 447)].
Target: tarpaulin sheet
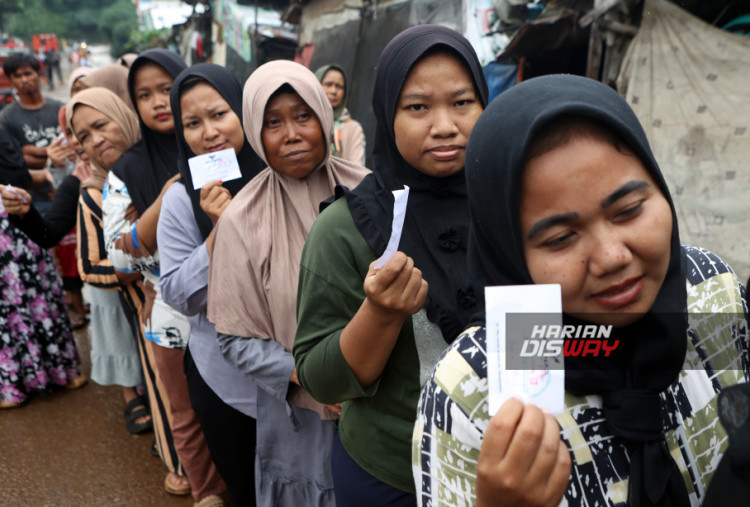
[(689, 83)]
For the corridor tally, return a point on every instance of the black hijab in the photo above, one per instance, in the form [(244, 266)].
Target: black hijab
[(150, 162), (250, 163), (437, 215), (657, 343)]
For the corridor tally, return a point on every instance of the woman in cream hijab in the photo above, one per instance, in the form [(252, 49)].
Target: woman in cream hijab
[(100, 119), (252, 287), (113, 77)]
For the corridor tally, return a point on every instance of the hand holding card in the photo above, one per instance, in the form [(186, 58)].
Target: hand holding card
[(218, 165), (513, 313)]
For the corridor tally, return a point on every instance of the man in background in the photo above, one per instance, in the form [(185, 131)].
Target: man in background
[(32, 122)]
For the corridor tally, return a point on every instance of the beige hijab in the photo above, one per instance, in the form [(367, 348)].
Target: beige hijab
[(77, 74), (252, 289), (108, 103), (112, 77)]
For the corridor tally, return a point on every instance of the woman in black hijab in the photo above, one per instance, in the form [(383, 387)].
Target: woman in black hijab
[(564, 189), (147, 166), (135, 188), (372, 344), (222, 397)]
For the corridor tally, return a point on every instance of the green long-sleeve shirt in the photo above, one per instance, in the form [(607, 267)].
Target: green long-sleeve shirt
[(376, 423)]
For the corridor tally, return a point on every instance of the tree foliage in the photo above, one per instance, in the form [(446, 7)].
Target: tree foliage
[(140, 40), (8, 7), (103, 21)]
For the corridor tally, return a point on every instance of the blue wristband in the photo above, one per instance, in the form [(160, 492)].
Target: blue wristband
[(134, 235)]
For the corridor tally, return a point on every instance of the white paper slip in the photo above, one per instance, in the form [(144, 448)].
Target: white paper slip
[(218, 165), (516, 366), (400, 198)]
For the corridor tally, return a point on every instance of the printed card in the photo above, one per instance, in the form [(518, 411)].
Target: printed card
[(219, 165), (512, 371)]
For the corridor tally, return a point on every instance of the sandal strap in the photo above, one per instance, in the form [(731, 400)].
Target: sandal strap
[(135, 414), (138, 401)]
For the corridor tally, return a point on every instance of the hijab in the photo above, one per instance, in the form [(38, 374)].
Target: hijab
[(656, 344), (76, 74), (321, 74), (106, 102), (147, 166), (250, 164), (63, 123), (437, 215), (127, 59), (112, 77), (263, 230)]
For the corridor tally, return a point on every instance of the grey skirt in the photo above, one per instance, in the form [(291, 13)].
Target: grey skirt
[(114, 351)]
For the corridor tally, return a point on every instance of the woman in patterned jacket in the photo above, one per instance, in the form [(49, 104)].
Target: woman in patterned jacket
[(564, 189)]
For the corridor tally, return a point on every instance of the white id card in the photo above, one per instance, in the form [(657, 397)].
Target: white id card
[(512, 371), (218, 165)]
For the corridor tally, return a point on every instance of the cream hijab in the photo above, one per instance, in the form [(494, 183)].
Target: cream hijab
[(252, 289), (106, 102), (113, 77)]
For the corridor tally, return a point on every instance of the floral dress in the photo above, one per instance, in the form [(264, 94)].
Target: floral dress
[(37, 349)]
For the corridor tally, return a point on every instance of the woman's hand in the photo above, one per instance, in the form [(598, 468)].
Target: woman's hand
[(523, 460), (40, 177), (335, 408), (214, 200), (16, 201), (397, 288), (131, 214), (34, 156), (392, 293), (127, 278), (82, 171), (57, 152)]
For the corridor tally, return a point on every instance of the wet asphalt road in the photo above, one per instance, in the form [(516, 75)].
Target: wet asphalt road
[(71, 448)]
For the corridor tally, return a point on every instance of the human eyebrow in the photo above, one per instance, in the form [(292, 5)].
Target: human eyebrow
[(414, 96), (546, 223), (463, 91), (215, 108), (623, 191)]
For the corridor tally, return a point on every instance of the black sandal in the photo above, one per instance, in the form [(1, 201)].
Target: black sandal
[(132, 413), (79, 323)]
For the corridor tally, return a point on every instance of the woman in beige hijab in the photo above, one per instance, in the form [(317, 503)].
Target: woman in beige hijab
[(113, 77), (252, 286), (106, 127)]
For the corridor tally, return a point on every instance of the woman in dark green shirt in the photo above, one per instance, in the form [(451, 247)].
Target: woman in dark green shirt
[(370, 337)]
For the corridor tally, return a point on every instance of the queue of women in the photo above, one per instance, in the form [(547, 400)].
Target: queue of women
[(282, 367)]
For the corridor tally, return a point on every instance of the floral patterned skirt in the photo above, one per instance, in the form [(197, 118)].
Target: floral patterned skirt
[(37, 348)]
